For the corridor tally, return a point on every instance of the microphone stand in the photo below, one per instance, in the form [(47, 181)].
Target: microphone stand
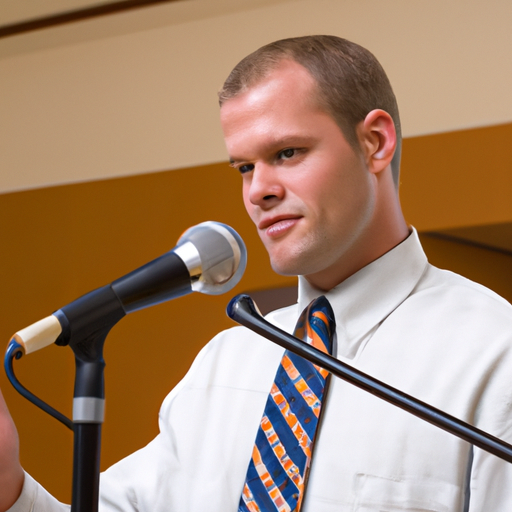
[(242, 309), (86, 334), (88, 414)]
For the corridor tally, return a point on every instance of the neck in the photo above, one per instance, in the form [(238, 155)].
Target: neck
[(386, 230)]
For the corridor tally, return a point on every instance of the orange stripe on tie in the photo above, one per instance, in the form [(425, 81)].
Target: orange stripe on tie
[(301, 386)]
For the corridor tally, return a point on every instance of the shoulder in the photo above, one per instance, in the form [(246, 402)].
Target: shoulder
[(450, 310), (444, 285)]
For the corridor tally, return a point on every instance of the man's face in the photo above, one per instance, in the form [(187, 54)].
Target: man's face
[(305, 188)]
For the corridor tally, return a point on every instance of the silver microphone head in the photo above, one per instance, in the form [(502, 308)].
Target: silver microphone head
[(215, 256)]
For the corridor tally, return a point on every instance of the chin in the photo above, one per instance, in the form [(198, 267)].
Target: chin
[(283, 268), (297, 259), (290, 267)]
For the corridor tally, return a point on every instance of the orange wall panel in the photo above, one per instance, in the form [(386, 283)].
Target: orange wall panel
[(458, 178)]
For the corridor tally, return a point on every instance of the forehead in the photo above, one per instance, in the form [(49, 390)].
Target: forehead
[(268, 111), (287, 86), (283, 71), (279, 111)]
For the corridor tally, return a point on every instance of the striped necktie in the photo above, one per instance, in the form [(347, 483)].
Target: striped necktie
[(281, 458)]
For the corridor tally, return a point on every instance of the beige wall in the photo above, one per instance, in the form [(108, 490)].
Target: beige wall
[(135, 92), (12, 11)]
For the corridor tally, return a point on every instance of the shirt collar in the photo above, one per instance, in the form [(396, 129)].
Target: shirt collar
[(366, 298)]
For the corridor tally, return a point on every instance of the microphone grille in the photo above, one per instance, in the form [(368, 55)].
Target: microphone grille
[(222, 254)]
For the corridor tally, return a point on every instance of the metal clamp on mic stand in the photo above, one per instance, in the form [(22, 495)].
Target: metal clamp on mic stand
[(243, 310)]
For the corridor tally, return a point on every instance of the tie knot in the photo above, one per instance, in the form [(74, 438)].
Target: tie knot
[(316, 324)]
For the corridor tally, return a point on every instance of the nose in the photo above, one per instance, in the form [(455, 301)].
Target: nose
[(265, 188)]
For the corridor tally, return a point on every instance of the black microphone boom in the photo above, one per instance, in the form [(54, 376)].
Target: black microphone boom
[(209, 258), (243, 310)]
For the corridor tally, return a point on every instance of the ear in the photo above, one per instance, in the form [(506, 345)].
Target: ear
[(378, 139)]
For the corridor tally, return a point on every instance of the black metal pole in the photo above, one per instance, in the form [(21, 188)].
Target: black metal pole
[(86, 467)]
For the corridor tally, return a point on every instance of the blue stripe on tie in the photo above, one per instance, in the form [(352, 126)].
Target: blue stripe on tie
[(286, 437), (298, 406), (259, 491), (313, 378), (318, 325)]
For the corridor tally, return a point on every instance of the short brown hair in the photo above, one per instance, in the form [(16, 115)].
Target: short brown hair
[(351, 81)]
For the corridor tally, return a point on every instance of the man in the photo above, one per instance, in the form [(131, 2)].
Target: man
[(312, 126)]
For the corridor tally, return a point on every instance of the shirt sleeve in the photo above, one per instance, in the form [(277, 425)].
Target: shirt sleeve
[(35, 498)]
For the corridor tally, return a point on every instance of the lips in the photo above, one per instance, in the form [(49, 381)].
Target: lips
[(278, 226)]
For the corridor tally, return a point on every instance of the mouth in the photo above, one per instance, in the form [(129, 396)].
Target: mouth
[(275, 227)]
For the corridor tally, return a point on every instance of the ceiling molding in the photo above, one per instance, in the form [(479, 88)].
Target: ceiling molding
[(77, 15)]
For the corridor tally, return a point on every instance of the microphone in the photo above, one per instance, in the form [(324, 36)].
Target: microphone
[(209, 258), (243, 310)]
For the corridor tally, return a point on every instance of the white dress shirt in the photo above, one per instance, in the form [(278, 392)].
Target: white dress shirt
[(428, 332)]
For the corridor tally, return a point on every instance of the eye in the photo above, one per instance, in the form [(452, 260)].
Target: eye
[(286, 153), (246, 168)]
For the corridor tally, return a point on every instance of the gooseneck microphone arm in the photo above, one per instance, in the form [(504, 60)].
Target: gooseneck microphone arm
[(242, 309)]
